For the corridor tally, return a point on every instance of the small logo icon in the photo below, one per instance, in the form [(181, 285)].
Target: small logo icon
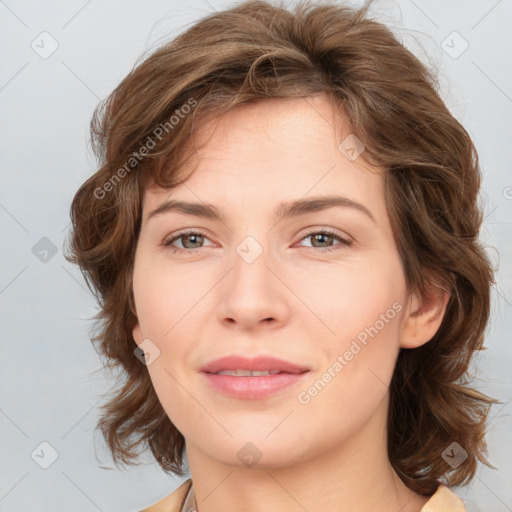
[(455, 455), (249, 454), (351, 147), (44, 45), (44, 455), (454, 45), (249, 249), (44, 250), (147, 352)]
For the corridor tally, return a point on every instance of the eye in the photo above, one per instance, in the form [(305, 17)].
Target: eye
[(326, 236), (190, 241)]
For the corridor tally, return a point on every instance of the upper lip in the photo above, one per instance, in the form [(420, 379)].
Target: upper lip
[(261, 363)]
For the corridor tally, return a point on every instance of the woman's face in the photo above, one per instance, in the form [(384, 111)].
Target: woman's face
[(265, 280)]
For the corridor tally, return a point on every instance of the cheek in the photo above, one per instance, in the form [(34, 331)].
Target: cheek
[(350, 298), (361, 314), (163, 297)]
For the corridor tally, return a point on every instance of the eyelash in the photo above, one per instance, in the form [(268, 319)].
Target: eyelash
[(343, 241)]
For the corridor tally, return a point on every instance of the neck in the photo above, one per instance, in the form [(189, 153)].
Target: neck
[(356, 476)]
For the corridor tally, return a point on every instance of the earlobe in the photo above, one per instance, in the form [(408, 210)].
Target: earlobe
[(424, 316), (137, 333)]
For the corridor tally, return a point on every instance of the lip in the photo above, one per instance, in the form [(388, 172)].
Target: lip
[(252, 387), (259, 363)]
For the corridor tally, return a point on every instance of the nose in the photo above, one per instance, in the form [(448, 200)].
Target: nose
[(253, 294)]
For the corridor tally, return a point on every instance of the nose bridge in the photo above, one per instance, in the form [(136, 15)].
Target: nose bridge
[(251, 275), (252, 292)]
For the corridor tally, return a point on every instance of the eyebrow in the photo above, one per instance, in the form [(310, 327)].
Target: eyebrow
[(284, 210)]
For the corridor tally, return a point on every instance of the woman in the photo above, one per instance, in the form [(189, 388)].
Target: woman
[(283, 238)]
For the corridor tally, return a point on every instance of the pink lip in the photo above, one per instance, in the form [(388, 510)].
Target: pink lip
[(252, 387), (260, 363)]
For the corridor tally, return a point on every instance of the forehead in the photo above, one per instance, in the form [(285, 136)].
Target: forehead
[(271, 151)]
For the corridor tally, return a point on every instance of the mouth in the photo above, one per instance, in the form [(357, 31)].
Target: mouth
[(248, 373), (259, 366), (256, 378)]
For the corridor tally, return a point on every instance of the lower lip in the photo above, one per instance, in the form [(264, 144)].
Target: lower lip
[(252, 387)]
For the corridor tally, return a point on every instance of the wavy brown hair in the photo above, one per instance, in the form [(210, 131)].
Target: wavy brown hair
[(390, 100)]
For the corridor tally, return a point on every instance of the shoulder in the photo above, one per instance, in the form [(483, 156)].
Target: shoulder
[(444, 500), (173, 502)]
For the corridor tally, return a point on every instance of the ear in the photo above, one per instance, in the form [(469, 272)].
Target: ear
[(423, 316), (136, 331)]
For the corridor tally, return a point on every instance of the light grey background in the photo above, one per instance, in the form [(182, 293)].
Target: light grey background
[(49, 392)]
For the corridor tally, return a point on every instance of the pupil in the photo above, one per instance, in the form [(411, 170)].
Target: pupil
[(187, 237), (319, 236)]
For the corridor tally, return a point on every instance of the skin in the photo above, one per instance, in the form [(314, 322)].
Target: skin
[(294, 302)]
